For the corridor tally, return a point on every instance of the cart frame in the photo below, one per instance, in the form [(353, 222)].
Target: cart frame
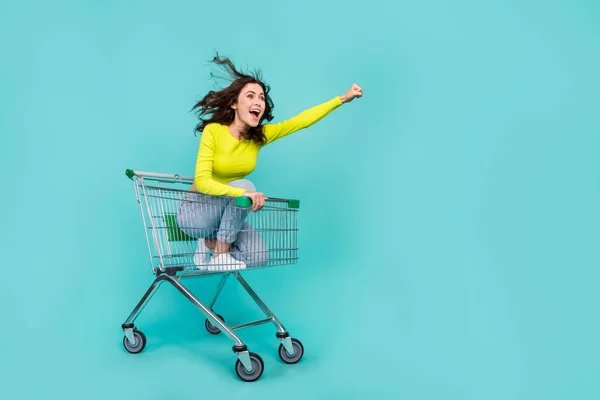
[(249, 366)]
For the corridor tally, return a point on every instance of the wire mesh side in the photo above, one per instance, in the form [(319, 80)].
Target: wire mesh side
[(177, 222)]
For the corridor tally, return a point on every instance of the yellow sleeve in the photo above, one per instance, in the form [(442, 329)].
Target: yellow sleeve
[(204, 167), (303, 120)]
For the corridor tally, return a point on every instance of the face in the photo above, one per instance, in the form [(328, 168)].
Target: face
[(250, 105)]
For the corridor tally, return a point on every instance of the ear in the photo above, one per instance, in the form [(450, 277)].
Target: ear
[(234, 106)]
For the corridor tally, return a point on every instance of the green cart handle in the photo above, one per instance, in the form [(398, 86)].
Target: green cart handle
[(243, 201)]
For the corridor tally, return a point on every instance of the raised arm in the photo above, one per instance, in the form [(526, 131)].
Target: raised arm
[(308, 117), (204, 165)]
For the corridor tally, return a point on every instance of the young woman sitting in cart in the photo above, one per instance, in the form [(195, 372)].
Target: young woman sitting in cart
[(231, 138)]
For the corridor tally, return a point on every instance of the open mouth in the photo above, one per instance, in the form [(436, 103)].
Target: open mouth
[(255, 113)]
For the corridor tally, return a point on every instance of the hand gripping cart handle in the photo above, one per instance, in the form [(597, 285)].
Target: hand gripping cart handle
[(180, 225)]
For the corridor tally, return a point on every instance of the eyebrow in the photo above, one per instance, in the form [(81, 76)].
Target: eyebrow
[(252, 91)]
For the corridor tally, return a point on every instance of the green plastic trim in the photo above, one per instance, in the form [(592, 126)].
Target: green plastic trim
[(130, 174), (174, 233), (243, 201)]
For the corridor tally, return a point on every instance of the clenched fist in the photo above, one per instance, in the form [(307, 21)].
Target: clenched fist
[(352, 93)]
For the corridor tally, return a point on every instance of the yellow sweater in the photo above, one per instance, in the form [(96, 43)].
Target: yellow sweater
[(222, 158)]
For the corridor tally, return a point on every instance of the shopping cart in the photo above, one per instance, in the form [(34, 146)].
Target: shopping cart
[(271, 239)]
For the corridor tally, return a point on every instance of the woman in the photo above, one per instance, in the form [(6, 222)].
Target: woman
[(231, 138)]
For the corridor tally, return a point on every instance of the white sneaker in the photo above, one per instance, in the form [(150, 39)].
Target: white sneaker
[(225, 262), (202, 255)]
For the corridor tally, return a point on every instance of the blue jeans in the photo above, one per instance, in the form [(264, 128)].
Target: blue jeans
[(204, 216)]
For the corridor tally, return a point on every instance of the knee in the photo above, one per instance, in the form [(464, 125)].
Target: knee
[(182, 216), (243, 184), (191, 222)]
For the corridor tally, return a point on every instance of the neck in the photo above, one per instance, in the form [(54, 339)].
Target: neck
[(238, 129)]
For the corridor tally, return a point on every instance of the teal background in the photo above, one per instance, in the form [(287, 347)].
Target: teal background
[(449, 218)]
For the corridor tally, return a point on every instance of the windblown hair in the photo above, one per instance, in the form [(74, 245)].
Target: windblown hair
[(215, 107)]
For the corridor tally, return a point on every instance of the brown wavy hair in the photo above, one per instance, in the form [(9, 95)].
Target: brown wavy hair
[(218, 104)]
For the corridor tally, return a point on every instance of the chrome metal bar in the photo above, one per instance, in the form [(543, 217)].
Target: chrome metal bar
[(259, 302), (253, 323), (162, 207), (159, 175), (200, 274), (137, 193), (145, 299), (187, 179), (211, 316), (161, 265), (218, 291)]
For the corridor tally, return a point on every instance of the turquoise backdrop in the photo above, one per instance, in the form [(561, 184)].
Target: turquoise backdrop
[(449, 218)]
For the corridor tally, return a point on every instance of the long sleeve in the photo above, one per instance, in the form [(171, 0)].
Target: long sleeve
[(204, 167), (303, 120)]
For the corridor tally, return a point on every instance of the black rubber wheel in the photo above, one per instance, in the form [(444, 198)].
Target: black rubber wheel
[(138, 346), (298, 352), (258, 367), (211, 328)]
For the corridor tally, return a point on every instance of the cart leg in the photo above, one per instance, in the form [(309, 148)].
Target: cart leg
[(128, 326), (282, 334), (145, 299), (239, 347), (208, 313), (218, 291)]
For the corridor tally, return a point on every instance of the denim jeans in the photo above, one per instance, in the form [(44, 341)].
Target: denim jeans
[(205, 216)]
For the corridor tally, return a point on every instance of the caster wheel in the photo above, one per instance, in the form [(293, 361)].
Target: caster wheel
[(211, 328), (138, 346), (298, 352), (257, 368)]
